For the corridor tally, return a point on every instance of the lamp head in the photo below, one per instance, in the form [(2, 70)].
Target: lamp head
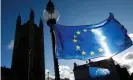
[(50, 13), (50, 7)]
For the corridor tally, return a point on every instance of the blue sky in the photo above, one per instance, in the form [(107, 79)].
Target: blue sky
[(72, 12)]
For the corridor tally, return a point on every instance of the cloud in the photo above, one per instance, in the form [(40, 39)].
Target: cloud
[(130, 70), (125, 59), (11, 44), (51, 76), (46, 71), (129, 56), (66, 72), (131, 35)]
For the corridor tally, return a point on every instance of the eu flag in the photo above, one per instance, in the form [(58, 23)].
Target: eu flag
[(104, 39), (96, 72)]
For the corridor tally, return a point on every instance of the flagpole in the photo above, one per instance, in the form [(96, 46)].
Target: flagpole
[(51, 18)]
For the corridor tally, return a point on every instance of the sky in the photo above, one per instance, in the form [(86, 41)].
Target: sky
[(72, 12)]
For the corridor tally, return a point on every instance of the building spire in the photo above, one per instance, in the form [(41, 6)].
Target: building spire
[(41, 23), (41, 30), (18, 22), (32, 15), (41, 26)]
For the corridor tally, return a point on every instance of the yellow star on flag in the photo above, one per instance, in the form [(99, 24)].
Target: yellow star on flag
[(78, 47), (74, 40), (85, 30), (78, 32), (83, 53), (92, 53), (100, 50)]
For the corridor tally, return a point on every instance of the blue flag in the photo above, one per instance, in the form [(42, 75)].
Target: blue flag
[(104, 39), (96, 72)]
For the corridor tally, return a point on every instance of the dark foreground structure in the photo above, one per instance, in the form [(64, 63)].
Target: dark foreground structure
[(28, 52), (5, 73), (82, 72)]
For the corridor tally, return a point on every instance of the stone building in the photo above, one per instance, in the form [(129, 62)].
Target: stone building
[(28, 51), (82, 72)]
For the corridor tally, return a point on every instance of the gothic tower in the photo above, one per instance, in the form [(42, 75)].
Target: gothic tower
[(28, 51)]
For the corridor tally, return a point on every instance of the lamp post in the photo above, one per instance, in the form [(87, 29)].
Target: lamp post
[(51, 16)]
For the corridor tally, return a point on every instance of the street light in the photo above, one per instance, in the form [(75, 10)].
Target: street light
[(51, 16), (47, 16), (50, 12)]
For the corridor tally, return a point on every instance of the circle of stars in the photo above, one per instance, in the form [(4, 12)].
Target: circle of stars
[(78, 48)]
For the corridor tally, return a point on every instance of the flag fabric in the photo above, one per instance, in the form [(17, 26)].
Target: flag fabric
[(96, 72), (83, 42)]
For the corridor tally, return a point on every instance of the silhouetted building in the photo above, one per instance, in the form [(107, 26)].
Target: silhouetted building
[(82, 72), (5, 73), (131, 77), (107, 64), (28, 51), (123, 73)]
